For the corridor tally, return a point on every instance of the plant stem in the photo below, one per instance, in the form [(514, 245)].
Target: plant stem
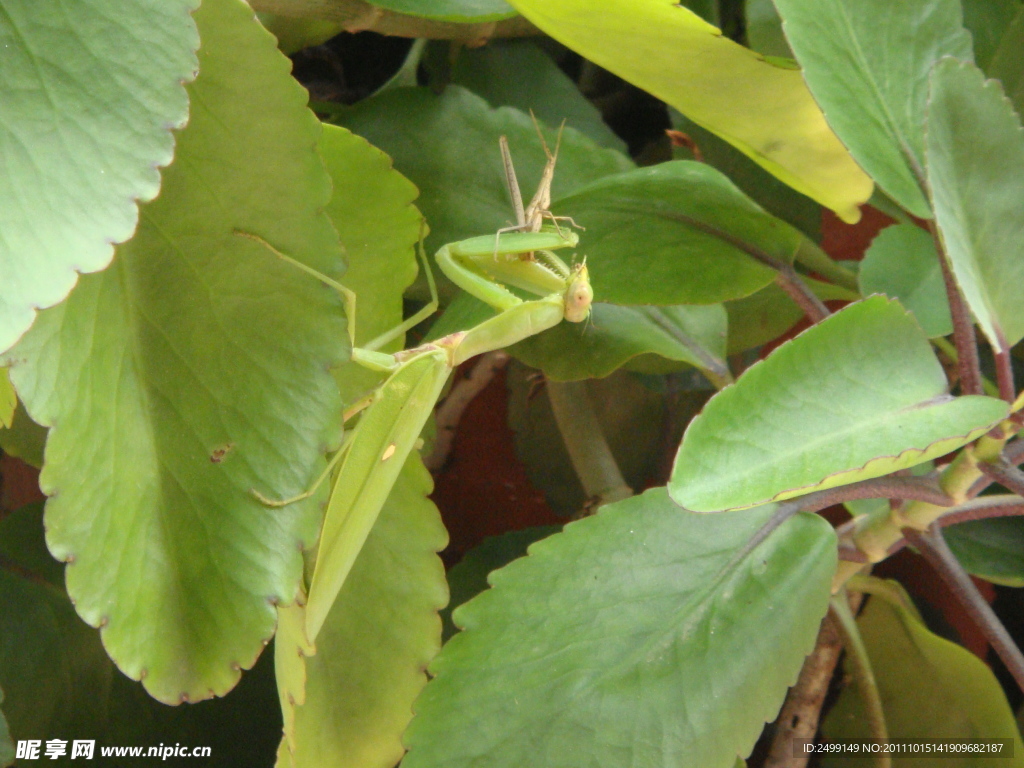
[(860, 666), (816, 260), (361, 16), (963, 325), (584, 439), (788, 280), (891, 487), (985, 508), (874, 535), (1005, 474), (950, 351), (933, 546), (801, 712), (1004, 376)]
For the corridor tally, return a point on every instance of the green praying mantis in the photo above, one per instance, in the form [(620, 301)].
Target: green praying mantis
[(393, 416)]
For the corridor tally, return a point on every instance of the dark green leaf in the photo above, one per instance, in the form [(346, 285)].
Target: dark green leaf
[(977, 188), (987, 21), (22, 544), (517, 73), (764, 29), (6, 745), (643, 635), (192, 371), (675, 233), (902, 263), (867, 64), (88, 98), (991, 549), (1008, 63), (24, 438), (857, 396)]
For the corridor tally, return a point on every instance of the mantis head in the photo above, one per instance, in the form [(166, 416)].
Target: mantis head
[(578, 294)]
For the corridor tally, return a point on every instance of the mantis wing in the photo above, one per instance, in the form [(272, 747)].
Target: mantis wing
[(383, 439)]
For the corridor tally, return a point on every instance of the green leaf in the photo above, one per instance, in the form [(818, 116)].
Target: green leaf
[(930, 689), (22, 544), (615, 335), (372, 210), (518, 73), (55, 676), (88, 98), (991, 549), (468, 577), (8, 399), (631, 417), (987, 20), (192, 371), (764, 29), (447, 146), (977, 190), (451, 10), (640, 636), (857, 396), (675, 233), (762, 109), (6, 745), (770, 193), (24, 439), (378, 638), (1007, 64), (902, 263), (867, 64), (767, 314), (293, 34)]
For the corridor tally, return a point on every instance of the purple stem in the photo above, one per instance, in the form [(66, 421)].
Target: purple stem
[(935, 550), (963, 326)]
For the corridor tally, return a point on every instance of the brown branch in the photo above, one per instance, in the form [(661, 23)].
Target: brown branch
[(802, 710)]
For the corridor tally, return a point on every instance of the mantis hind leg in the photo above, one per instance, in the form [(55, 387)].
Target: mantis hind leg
[(349, 297), (338, 455)]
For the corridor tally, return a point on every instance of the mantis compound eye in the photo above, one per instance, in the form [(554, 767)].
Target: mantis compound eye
[(578, 295)]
